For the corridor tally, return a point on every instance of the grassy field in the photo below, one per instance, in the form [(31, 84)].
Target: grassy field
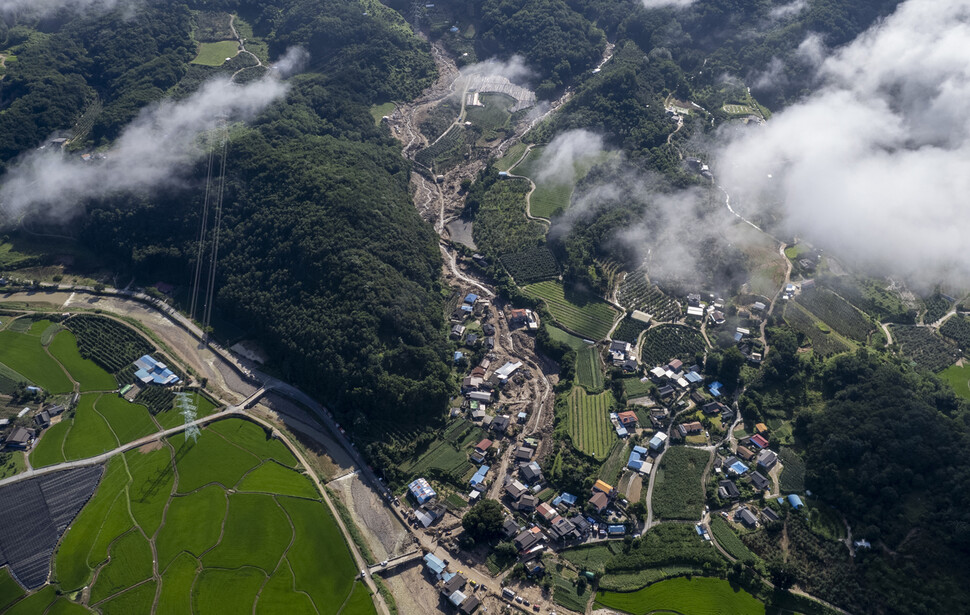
[(448, 454), (576, 343), (86, 372), (589, 422), (583, 314), (9, 589), (678, 493), (959, 378), (511, 157), (589, 369), (379, 111), (209, 556), (16, 465), (696, 596), (215, 54), (24, 354), (635, 388)]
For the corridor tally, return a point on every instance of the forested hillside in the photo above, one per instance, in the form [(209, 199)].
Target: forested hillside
[(323, 257)]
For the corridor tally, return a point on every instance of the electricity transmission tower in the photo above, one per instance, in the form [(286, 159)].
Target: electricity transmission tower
[(185, 403)]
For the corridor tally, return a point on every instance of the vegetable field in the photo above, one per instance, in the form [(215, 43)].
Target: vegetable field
[(697, 596), (637, 293), (589, 371), (108, 343), (824, 342), (678, 493), (661, 344), (208, 554), (581, 313), (589, 423), (531, 266), (924, 346), (837, 313), (793, 473)]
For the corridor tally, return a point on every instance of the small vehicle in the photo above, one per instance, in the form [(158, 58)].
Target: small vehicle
[(525, 602), (363, 573), (384, 563), (535, 607), (518, 599)]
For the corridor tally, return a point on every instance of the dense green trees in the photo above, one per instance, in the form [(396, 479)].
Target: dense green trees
[(483, 521)]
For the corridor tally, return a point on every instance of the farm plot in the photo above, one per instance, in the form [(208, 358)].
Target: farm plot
[(678, 493), (108, 343), (447, 458), (739, 109), (837, 313), (208, 554), (634, 387), (629, 330), (661, 344), (936, 308), (824, 342), (793, 473), (511, 157), (589, 422), (697, 596), (637, 293), (492, 119), (215, 54), (729, 541), (532, 265), (87, 373), (500, 224), (873, 297), (445, 153), (957, 328), (583, 314), (90, 434), (924, 346), (24, 354), (589, 369)]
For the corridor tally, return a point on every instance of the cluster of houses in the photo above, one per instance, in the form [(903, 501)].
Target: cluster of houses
[(22, 438), (696, 308), (752, 461), (452, 585), (623, 356), (472, 305), (673, 377)]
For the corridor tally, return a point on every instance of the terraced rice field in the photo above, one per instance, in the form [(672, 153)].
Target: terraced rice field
[(200, 521), (589, 371), (583, 314), (589, 422)]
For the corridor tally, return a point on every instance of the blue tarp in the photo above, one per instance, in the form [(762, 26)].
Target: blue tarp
[(471, 298), (458, 356), (716, 389), (795, 501)]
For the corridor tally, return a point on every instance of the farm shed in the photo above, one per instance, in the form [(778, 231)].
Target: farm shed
[(421, 490), (795, 501), (151, 371)]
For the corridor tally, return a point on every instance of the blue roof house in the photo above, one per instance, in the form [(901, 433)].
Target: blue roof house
[(435, 565), (738, 468), (421, 490), (151, 371), (471, 298), (716, 388), (641, 450)]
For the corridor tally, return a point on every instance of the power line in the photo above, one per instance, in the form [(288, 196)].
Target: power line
[(202, 230), (214, 258)]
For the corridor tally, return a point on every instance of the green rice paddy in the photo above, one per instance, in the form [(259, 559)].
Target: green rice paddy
[(696, 596), (217, 548), (582, 314)]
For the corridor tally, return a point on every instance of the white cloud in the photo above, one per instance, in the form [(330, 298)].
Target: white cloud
[(876, 164), (560, 159), (39, 8), (785, 11), (150, 153), (663, 4)]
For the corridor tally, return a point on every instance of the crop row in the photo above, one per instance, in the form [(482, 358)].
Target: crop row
[(584, 314), (589, 425), (588, 371), (661, 344), (836, 312), (925, 347), (110, 344), (532, 265), (637, 293), (823, 342)]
